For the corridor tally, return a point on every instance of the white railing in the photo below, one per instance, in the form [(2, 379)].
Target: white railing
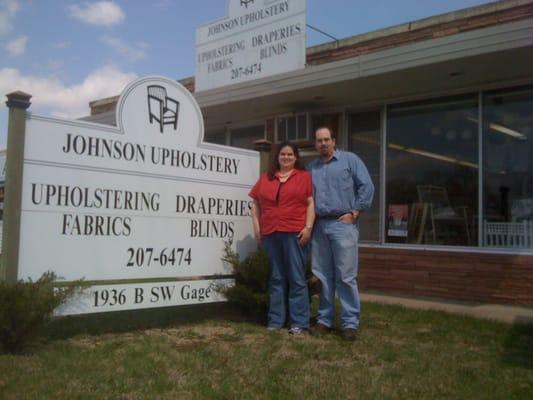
[(509, 234)]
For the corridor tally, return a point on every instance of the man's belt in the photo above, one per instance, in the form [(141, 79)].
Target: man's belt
[(331, 216)]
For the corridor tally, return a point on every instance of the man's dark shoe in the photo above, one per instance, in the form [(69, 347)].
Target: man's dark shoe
[(319, 329), (349, 334)]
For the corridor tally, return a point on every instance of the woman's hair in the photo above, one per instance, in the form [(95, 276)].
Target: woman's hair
[(274, 160)]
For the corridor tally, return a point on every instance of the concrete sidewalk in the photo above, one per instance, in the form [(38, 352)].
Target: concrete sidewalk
[(495, 312)]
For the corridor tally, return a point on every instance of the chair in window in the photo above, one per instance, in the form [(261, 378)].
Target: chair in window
[(446, 222), (161, 108), (516, 233), (509, 234)]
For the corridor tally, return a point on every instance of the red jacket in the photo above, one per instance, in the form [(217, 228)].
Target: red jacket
[(283, 205)]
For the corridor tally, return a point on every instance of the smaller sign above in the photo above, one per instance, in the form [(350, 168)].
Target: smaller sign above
[(258, 38)]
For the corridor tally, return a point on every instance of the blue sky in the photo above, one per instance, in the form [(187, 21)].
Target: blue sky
[(67, 53)]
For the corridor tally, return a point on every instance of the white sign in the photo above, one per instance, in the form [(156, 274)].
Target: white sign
[(144, 295), (258, 38), (147, 200)]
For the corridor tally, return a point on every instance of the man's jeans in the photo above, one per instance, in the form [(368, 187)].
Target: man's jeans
[(334, 260), (288, 286)]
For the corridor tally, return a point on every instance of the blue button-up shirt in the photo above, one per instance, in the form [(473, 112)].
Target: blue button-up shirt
[(341, 184)]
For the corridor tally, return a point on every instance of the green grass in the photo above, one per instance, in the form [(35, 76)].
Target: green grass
[(209, 353)]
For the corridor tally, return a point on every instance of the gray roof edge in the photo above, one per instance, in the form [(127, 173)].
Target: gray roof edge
[(105, 100), (421, 23), (106, 118)]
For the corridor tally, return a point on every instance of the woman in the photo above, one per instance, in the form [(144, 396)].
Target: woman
[(283, 214)]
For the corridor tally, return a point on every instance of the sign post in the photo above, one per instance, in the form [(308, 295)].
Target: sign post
[(18, 103)]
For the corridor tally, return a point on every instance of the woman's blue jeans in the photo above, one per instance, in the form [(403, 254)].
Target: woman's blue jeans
[(288, 286)]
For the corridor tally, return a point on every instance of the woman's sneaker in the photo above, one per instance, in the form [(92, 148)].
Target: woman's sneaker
[(273, 328), (297, 331)]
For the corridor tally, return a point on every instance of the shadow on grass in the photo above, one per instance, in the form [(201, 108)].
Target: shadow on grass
[(518, 346), (127, 321)]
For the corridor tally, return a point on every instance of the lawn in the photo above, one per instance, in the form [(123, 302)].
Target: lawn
[(212, 353)]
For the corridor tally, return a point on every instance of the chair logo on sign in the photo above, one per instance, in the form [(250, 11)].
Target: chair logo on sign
[(162, 110), (246, 2)]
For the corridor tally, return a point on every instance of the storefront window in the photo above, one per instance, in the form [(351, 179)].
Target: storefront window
[(364, 138), (432, 172), (245, 137), (508, 169)]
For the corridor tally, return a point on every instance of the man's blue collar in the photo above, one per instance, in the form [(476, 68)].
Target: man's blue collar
[(335, 156)]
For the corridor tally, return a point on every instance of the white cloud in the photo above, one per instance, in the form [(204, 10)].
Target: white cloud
[(61, 45), (133, 53), (8, 9), (51, 96), (163, 3), (17, 47), (55, 65), (105, 13)]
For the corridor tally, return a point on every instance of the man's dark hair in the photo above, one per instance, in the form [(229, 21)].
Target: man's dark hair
[(333, 134), (274, 162)]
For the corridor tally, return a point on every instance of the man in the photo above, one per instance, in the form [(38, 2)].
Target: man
[(342, 189)]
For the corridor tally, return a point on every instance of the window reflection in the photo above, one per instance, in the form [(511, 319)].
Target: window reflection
[(364, 133), (508, 169), (432, 172)]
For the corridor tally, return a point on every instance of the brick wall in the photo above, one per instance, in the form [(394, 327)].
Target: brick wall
[(421, 34), (487, 278), (102, 106)]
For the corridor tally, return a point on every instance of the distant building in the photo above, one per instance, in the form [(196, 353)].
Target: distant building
[(441, 111)]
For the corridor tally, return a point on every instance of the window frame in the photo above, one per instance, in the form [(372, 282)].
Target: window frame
[(296, 117)]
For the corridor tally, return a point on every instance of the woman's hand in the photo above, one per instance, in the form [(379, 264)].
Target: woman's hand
[(304, 236), (256, 215), (257, 234), (305, 233)]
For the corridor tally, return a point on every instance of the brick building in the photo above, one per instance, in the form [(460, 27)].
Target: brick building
[(441, 111)]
